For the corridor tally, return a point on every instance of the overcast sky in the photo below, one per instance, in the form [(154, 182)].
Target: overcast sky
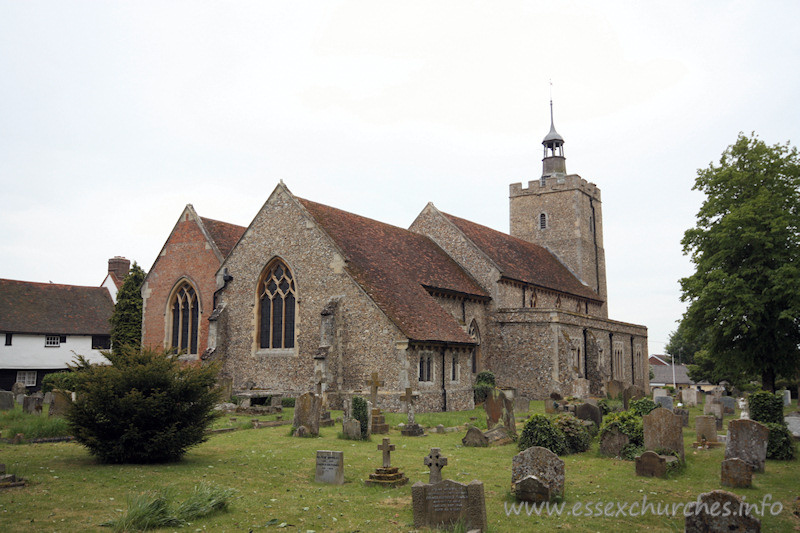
[(114, 116)]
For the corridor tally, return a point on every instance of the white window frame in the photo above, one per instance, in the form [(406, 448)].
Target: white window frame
[(27, 377), (52, 341)]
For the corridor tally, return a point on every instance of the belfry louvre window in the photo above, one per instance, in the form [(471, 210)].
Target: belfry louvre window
[(277, 307), (185, 318), (542, 221)]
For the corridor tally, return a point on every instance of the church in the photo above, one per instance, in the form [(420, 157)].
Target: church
[(309, 294)]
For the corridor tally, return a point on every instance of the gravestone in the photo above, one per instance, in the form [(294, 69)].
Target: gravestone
[(659, 393), (499, 410), (379, 424), (651, 464), (684, 414), (32, 405), (663, 430), (521, 405), (704, 516), (61, 402), (787, 397), (614, 389), (541, 464), (48, 398), (706, 428), (747, 440), (19, 388), (613, 441), (449, 503), (665, 402), (387, 475), (689, 397), (351, 428), (6, 400), (435, 462), (307, 409), (631, 393), (793, 423), (498, 436), (587, 411), (728, 404), (330, 467), (411, 429), (736, 473), (475, 438)]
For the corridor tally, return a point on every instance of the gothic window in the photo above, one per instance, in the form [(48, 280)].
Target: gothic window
[(558, 302), (454, 369), (475, 333), (185, 318), (617, 355), (425, 370), (542, 221), (276, 307)]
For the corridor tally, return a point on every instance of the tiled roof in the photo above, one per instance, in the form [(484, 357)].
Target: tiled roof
[(663, 374), (394, 266), (225, 235), (28, 307), (523, 261)]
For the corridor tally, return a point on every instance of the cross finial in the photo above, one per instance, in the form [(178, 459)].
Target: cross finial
[(386, 448), (435, 462)]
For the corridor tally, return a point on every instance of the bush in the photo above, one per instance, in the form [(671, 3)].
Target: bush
[(577, 437), (360, 413), (628, 422), (540, 431), (484, 384), (486, 377), (610, 405), (58, 380), (780, 445), (287, 402), (145, 407), (642, 406), (766, 407)]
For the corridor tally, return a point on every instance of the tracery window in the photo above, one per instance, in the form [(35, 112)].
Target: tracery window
[(185, 319), (277, 307)]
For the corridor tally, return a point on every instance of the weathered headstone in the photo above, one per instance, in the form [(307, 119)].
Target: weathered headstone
[(587, 411), (689, 397), (728, 404), (411, 429), (499, 410), (61, 402), (793, 423), (6, 400), (684, 414), (387, 475), (613, 441), (706, 428), (665, 402), (48, 398), (631, 392), (521, 405), (659, 393), (351, 429), (663, 430), (704, 515), (787, 397), (435, 462), (330, 467), (498, 436), (19, 388), (736, 473), (32, 405), (447, 503), (747, 440), (614, 388), (651, 464), (475, 438), (307, 409), (542, 464)]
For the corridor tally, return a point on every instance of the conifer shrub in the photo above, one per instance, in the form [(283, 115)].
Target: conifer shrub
[(780, 445), (484, 384), (360, 413), (540, 431), (145, 407), (59, 380), (577, 436), (766, 407)]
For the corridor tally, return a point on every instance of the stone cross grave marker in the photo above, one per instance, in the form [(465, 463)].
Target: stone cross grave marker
[(435, 462), (330, 467), (408, 398), (387, 449), (374, 384)]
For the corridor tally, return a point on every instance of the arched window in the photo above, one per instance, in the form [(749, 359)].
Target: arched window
[(475, 333), (276, 307), (185, 318), (542, 221)]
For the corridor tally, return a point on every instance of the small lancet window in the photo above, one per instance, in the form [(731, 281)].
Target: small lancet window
[(542, 221)]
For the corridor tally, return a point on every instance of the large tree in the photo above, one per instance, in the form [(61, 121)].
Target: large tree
[(126, 320), (745, 292)]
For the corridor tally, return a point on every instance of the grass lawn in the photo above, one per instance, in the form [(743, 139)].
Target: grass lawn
[(273, 474)]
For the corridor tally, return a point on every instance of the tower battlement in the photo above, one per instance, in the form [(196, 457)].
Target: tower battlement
[(555, 183)]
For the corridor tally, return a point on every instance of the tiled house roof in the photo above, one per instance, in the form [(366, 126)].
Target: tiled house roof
[(523, 261), (47, 308), (395, 267), (225, 235)]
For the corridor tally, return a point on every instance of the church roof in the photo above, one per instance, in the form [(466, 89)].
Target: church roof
[(522, 260), (224, 234), (48, 308), (396, 267)]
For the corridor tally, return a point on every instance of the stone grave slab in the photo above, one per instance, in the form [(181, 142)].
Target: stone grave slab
[(706, 517), (684, 414), (587, 411), (307, 409), (475, 438), (663, 430), (665, 402), (542, 464), (631, 393), (728, 405), (499, 410), (61, 402), (736, 473), (614, 389), (613, 441), (651, 464), (659, 393), (689, 397), (747, 440), (6, 400), (787, 397), (705, 428), (498, 436), (351, 428), (447, 503), (330, 467), (793, 423), (32, 405)]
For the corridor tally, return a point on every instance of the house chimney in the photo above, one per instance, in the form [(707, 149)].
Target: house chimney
[(119, 266)]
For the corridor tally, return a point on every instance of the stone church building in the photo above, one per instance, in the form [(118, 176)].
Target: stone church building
[(310, 293)]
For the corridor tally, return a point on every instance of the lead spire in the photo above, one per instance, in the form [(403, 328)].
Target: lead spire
[(554, 161)]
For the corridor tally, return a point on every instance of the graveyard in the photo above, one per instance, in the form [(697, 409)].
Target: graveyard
[(280, 484)]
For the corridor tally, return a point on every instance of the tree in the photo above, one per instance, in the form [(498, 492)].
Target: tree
[(684, 344), (126, 320), (745, 291)]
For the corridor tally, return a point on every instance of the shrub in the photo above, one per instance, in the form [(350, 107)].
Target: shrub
[(486, 377), (628, 422), (609, 405), (540, 431), (360, 413), (484, 383), (766, 407), (287, 402), (577, 437), (780, 445), (642, 406), (145, 407), (58, 380)]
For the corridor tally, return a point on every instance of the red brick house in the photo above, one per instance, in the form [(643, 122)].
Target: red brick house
[(178, 292)]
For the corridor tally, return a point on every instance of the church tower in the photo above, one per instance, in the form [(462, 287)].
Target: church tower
[(563, 213)]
